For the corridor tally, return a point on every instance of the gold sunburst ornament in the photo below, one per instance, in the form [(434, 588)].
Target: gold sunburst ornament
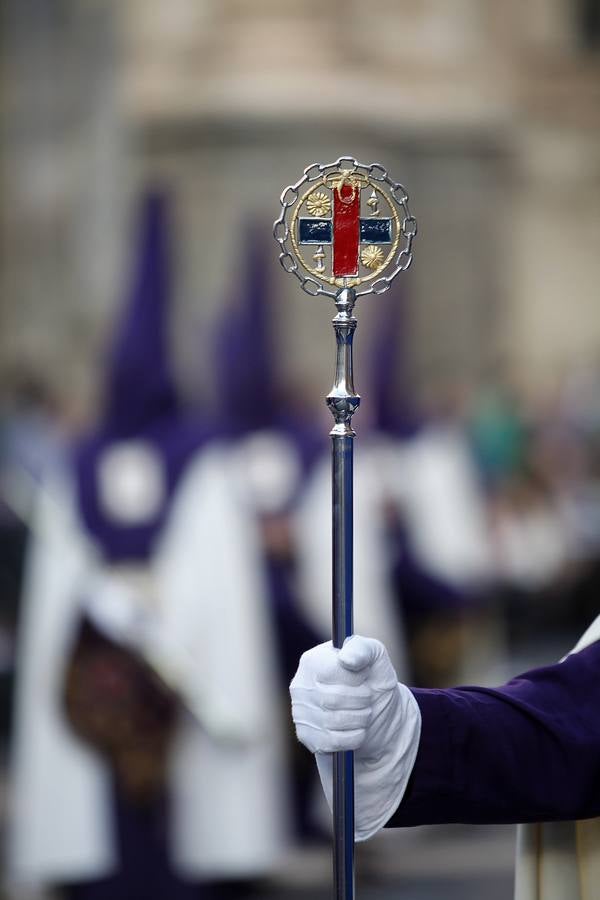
[(319, 204), (371, 257)]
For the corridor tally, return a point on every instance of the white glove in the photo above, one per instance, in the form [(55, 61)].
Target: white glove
[(350, 699)]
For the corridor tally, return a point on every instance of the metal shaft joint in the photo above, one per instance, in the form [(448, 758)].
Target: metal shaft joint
[(342, 400)]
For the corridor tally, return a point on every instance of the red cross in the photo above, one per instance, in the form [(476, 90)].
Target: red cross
[(346, 227)]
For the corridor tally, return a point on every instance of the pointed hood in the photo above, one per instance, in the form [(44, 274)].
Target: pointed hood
[(129, 466), (273, 439), (390, 398), (244, 353), (139, 386)]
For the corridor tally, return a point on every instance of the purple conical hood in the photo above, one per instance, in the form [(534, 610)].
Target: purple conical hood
[(141, 412), (392, 406), (244, 362), (139, 386)]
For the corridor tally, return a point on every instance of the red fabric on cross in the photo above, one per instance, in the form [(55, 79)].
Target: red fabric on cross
[(346, 216)]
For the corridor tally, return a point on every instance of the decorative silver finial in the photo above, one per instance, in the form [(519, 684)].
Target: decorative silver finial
[(342, 400)]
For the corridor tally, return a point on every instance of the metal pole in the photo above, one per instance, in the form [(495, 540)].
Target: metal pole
[(343, 402), (324, 209)]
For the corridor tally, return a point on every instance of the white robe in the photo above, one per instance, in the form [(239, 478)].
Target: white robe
[(433, 480), (560, 860), (229, 810)]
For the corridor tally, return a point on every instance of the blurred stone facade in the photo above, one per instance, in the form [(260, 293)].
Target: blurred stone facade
[(489, 113)]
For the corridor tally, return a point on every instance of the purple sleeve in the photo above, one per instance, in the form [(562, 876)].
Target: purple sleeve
[(528, 751)]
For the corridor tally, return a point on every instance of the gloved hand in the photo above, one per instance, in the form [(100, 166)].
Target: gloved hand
[(350, 699)]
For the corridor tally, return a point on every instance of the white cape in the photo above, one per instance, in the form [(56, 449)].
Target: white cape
[(560, 860), (229, 811), (433, 480)]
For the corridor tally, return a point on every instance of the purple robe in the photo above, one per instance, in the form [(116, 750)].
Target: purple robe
[(528, 751)]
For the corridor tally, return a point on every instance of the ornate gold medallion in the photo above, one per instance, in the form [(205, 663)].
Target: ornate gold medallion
[(349, 226)]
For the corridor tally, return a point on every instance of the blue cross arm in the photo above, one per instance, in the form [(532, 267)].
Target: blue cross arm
[(376, 231), (320, 231), (315, 231)]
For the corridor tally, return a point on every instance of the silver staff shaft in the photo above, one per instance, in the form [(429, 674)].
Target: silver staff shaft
[(343, 402)]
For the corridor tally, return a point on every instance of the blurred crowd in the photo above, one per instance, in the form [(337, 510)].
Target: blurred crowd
[(163, 571)]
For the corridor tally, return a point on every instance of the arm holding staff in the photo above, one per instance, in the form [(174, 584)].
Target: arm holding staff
[(527, 751)]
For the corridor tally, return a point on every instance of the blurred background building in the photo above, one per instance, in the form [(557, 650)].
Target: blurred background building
[(488, 112)]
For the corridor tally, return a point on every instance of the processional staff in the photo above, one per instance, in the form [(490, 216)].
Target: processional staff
[(342, 227)]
